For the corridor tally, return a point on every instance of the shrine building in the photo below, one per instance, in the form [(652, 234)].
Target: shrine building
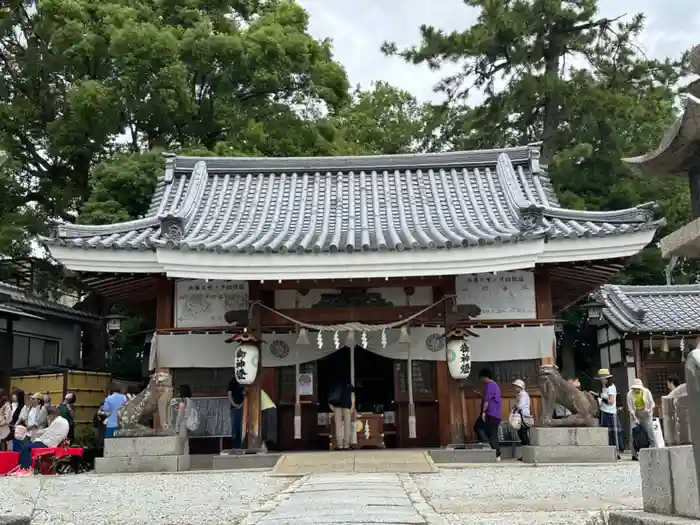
[(369, 269)]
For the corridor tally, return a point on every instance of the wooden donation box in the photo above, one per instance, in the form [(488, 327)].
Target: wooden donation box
[(369, 428)]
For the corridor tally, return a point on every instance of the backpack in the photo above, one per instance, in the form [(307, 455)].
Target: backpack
[(191, 417)]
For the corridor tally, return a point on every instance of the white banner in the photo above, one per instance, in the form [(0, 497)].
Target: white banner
[(505, 295), (203, 304), (494, 344)]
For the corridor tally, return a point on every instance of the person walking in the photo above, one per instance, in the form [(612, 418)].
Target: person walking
[(640, 403), (236, 398), (491, 409), (608, 410), (672, 382)]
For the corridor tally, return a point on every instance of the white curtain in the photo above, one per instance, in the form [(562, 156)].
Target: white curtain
[(211, 351)]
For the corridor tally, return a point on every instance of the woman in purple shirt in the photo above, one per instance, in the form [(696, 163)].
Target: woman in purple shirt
[(491, 409)]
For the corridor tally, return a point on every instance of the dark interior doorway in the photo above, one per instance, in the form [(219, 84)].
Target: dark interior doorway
[(374, 379)]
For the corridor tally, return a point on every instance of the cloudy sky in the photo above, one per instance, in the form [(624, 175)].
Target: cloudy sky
[(358, 28)]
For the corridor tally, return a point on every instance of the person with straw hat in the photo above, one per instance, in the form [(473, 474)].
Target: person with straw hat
[(608, 410), (640, 404)]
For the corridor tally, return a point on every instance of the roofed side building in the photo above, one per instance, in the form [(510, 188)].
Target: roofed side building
[(649, 330)]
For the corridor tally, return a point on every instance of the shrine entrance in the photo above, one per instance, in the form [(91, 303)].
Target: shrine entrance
[(374, 381)]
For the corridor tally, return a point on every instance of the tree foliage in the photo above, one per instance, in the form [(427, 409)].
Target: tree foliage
[(83, 80), (554, 72)]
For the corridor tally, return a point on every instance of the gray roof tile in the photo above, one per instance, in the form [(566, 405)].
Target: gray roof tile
[(345, 204), (648, 309)]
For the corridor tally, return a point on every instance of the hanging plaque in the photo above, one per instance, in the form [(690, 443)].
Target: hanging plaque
[(504, 295), (203, 304)]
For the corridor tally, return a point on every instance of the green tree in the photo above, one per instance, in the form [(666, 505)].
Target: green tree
[(381, 120), (553, 72), (81, 81)]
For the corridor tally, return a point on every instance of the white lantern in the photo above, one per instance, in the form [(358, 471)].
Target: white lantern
[(459, 359), (247, 357)]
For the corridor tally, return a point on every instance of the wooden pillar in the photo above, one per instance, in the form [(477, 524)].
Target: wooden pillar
[(450, 421), (165, 318), (165, 307), (543, 303), (251, 412)]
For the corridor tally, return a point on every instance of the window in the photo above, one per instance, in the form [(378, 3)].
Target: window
[(505, 372), (34, 351)]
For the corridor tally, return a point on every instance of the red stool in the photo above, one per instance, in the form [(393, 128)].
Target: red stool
[(8, 462)]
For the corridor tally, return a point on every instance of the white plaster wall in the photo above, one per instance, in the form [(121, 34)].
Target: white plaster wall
[(615, 353)]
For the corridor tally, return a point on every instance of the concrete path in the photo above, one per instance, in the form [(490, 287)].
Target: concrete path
[(348, 499), (367, 461)]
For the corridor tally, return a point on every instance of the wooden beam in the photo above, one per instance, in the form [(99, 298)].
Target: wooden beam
[(368, 314), (165, 305)]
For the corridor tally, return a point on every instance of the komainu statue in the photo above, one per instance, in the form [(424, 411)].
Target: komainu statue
[(134, 415), (556, 390)]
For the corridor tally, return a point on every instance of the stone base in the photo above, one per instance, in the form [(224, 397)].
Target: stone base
[(569, 454), (569, 436), (144, 454), (669, 483), (465, 455), (145, 446), (115, 465), (646, 518), (250, 461)]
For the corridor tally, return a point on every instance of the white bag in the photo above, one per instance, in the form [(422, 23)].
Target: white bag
[(658, 433), (515, 421), (191, 417)]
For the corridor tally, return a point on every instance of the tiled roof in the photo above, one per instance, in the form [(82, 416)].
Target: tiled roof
[(674, 308), (12, 298), (346, 204)]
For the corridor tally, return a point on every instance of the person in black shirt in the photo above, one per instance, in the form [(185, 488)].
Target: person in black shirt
[(341, 400), (235, 399)]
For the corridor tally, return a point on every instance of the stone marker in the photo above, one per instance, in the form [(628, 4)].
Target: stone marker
[(692, 379), (676, 418)]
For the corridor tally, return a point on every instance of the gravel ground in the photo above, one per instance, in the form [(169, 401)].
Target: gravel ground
[(519, 494), (207, 498)]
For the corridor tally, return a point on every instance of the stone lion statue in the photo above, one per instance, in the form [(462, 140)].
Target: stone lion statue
[(133, 416), (556, 390)]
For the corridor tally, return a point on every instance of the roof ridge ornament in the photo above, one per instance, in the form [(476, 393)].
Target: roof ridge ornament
[(174, 223)]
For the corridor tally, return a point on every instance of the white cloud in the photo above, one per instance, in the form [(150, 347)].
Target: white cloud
[(358, 29)]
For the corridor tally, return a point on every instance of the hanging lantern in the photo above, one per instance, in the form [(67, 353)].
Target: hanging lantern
[(247, 357), (459, 359), (665, 349)]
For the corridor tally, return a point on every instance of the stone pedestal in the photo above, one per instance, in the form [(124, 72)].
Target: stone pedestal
[(144, 454), (569, 445), (669, 482)]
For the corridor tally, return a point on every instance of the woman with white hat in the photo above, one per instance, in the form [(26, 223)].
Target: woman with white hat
[(522, 407), (640, 404), (608, 410)]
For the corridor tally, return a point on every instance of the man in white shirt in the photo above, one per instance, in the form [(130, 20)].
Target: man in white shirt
[(51, 437)]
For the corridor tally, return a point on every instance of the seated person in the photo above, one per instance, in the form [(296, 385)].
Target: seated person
[(51, 437)]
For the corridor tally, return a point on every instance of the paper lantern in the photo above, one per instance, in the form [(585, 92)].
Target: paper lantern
[(247, 357), (459, 359)]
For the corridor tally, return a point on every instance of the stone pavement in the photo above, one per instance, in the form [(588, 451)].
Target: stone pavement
[(386, 499), (387, 461), (499, 494)]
